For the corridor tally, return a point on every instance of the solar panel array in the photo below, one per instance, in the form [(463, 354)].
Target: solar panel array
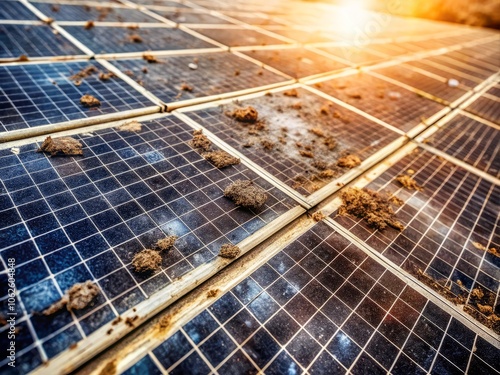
[(404, 96)]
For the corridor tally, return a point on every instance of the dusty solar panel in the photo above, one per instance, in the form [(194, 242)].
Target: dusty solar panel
[(487, 108), (188, 16), (35, 40), (296, 62), (240, 37), (40, 94), (94, 12), (14, 10), (354, 55), (177, 78), (321, 305), (84, 218), (388, 102), (104, 39)]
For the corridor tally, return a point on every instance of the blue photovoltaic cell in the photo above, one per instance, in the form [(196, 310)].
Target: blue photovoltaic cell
[(67, 220), (322, 306), (446, 223), (217, 73), (39, 94), (101, 13), (14, 10), (101, 39), (33, 41)]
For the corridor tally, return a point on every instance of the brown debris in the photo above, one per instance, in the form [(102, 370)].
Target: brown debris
[(134, 38), (244, 193), (443, 290), (149, 58), (327, 173), (116, 321), (292, 93), (84, 73), (200, 141), (89, 25), (221, 158), (229, 251), (77, 297), (61, 146), (130, 320), (213, 293), (164, 322), (491, 250), (23, 58), (55, 8), (133, 27), (48, 20), (267, 144), (306, 154), (297, 105), (320, 164), (106, 76), (132, 126), (166, 243), (318, 216), (409, 182), (330, 142), (375, 208), (109, 331), (146, 261), (89, 101), (349, 161), (318, 132), (186, 87), (109, 369), (248, 114)]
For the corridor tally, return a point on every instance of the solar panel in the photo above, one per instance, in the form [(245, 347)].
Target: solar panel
[(312, 107)]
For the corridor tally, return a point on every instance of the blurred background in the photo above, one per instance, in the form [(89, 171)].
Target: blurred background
[(484, 13)]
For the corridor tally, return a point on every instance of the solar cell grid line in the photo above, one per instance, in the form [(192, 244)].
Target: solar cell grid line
[(446, 224), (360, 318), (194, 16), (36, 95), (462, 67), (173, 79), (241, 37), (472, 140), (487, 108), (35, 40), (92, 11), (101, 39), (353, 55), (121, 199), (14, 10)]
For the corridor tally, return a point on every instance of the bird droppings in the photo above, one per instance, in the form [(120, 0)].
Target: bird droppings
[(89, 25), (89, 101), (213, 293), (221, 158), (350, 161), (200, 141), (77, 297), (166, 243), (150, 59), (192, 66), (146, 261), (229, 251), (247, 115), (246, 194), (375, 208), (63, 146), (132, 126), (409, 183)]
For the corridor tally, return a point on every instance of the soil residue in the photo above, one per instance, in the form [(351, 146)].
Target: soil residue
[(63, 146), (221, 158), (375, 208), (146, 261), (109, 369), (166, 243), (77, 297), (133, 126), (491, 250), (318, 216), (409, 183), (229, 251), (247, 115), (213, 293), (200, 142), (89, 25), (134, 38), (292, 93), (246, 194), (150, 58), (89, 101), (349, 161)]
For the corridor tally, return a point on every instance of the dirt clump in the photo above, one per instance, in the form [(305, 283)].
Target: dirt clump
[(439, 287), (200, 141), (109, 369), (292, 93), (23, 58), (229, 251), (89, 101), (375, 208), (106, 76), (166, 243), (149, 58), (248, 115), (306, 154), (146, 261), (409, 183), (133, 126), (186, 87), (221, 158), (350, 161), (267, 144), (61, 146), (246, 194), (318, 216), (330, 143), (84, 73), (213, 293), (89, 25), (318, 132), (77, 297), (134, 38), (491, 250)]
